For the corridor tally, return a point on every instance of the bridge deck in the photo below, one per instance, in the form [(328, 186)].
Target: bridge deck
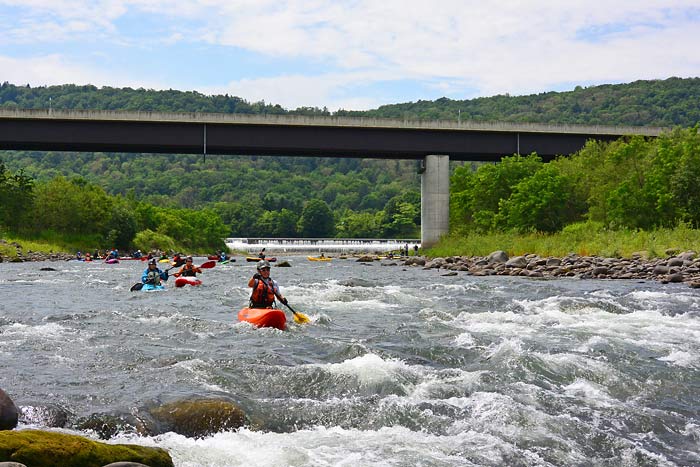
[(196, 133)]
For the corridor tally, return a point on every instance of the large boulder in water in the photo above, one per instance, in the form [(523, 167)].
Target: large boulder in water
[(37, 448), (8, 412), (197, 417)]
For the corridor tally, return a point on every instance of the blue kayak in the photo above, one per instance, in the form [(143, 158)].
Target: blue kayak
[(149, 287)]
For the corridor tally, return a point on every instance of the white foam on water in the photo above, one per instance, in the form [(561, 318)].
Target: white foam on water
[(569, 363), (160, 320), (594, 394), (370, 369), (49, 331), (437, 383), (492, 323), (692, 430), (682, 358), (465, 340), (335, 297), (452, 288), (386, 447)]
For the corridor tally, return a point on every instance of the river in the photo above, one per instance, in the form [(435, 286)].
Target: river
[(400, 366)]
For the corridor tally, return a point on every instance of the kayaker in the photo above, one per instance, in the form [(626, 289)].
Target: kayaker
[(188, 269), (152, 274), (265, 289), (177, 260), (261, 255)]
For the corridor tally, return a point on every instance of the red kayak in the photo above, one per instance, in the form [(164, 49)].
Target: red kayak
[(183, 281), (264, 317), (213, 257)]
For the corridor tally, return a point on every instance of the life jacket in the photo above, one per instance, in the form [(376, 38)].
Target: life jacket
[(188, 271), (263, 295)]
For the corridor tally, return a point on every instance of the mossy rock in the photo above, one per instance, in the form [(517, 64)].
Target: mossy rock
[(198, 417), (37, 448)]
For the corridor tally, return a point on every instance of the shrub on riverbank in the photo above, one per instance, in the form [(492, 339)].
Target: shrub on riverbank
[(585, 238)]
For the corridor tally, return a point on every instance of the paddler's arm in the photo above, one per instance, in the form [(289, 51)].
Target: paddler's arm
[(278, 294)]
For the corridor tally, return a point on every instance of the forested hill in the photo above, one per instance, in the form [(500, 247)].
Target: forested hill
[(670, 102)]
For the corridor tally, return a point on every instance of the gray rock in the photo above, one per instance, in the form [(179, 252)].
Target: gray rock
[(517, 262), (9, 414), (677, 277), (498, 256)]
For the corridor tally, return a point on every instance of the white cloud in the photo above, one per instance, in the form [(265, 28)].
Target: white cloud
[(455, 45), (53, 69), (293, 91)]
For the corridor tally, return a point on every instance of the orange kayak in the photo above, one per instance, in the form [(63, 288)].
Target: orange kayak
[(263, 317)]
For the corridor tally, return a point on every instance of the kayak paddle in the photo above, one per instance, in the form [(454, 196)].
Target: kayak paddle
[(205, 265), (136, 287), (299, 318)]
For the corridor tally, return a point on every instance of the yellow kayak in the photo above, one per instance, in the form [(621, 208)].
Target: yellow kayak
[(318, 258)]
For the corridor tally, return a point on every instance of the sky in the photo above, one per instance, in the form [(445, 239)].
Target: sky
[(348, 54)]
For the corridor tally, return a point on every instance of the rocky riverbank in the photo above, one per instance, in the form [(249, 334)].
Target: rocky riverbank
[(677, 267), (13, 252)]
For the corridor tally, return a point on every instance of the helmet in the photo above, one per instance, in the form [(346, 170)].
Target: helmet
[(152, 261), (189, 258), (263, 264)]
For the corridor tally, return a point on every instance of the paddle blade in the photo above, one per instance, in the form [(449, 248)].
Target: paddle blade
[(208, 265), (136, 287), (301, 318)]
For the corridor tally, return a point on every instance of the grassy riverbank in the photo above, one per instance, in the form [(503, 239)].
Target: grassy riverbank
[(583, 239), (8, 250), (50, 242)]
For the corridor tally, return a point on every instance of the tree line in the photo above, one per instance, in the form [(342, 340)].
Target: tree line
[(631, 183), (670, 102)]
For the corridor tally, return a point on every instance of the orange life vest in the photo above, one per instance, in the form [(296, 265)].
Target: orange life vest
[(263, 295)]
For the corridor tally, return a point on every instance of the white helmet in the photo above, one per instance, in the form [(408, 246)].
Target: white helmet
[(263, 264)]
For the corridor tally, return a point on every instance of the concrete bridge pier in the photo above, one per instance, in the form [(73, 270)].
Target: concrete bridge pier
[(435, 199)]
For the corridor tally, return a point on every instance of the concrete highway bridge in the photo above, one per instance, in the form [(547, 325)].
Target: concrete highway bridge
[(433, 143)]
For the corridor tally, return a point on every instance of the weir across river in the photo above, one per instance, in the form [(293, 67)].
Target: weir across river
[(276, 246), (433, 143)]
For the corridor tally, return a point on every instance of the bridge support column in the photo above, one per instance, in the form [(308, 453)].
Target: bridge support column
[(435, 199)]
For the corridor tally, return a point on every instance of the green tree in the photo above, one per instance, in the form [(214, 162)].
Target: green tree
[(316, 220), (121, 228), (476, 197), (543, 202), (17, 195)]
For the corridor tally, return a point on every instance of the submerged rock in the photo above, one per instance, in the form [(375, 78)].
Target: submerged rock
[(197, 417), (37, 448)]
